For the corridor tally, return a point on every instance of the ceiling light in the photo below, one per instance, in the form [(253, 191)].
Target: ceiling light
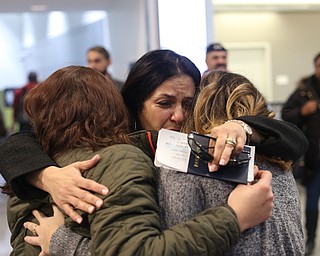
[(38, 8)]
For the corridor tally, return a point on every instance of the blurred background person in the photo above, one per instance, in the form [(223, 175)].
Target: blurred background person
[(216, 57), (99, 59), (302, 109), (19, 115), (3, 130)]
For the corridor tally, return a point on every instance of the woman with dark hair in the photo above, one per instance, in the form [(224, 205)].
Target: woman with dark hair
[(179, 78), (77, 113)]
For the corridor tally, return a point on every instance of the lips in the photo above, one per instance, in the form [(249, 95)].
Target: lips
[(177, 129)]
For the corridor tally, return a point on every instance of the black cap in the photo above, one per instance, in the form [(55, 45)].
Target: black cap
[(215, 47)]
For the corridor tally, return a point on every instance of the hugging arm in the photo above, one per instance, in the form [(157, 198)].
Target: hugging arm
[(128, 223), (280, 138), (30, 172), (271, 137), (24, 157), (21, 155), (75, 244)]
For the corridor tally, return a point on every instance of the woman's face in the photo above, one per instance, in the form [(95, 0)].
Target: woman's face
[(166, 107)]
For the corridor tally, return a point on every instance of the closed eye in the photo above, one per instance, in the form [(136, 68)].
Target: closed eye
[(165, 103)]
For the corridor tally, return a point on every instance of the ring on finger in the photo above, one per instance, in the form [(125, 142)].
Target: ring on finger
[(34, 230), (231, 141)]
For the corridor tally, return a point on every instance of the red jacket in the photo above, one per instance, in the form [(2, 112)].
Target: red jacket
[(17, 94)]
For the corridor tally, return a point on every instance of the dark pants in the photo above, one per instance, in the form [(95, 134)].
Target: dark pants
[(312, 202), (313, 192)]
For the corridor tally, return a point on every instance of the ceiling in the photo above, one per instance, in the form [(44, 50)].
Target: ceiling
[(267, 5), (54, 5), (219, 5)]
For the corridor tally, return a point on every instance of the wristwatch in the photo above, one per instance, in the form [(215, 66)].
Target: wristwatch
[(245, 126)]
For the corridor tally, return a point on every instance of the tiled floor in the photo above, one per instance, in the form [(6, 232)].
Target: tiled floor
[(5, 233)]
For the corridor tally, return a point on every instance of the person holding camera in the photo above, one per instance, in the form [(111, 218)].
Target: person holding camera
[(302, 109)]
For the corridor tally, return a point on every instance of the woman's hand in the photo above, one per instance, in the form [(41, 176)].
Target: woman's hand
[(223, 148), (44, 231), (69, 189), (253, 203)]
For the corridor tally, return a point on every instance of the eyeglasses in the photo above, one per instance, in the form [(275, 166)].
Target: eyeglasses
[(201, 151)]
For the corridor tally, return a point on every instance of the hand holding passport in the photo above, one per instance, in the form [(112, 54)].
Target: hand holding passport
[(189, 154)]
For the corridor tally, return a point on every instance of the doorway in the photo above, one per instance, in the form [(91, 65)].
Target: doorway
[(252, 60)]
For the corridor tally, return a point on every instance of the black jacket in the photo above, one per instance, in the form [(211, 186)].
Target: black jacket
[(308, 89)]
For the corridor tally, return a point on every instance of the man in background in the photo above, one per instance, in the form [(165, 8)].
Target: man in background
[(216, 57), (3, 130), (303, 109), (19, 116), (99, 58)]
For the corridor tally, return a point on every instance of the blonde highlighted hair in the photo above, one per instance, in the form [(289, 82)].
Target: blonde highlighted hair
[(224, 96)]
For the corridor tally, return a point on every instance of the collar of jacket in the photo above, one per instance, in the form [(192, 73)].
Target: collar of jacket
[(146, 140)]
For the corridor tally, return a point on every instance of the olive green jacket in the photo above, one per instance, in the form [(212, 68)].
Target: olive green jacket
[(128, 222)]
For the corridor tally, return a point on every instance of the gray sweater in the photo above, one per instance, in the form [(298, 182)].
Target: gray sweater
[(182, 196)]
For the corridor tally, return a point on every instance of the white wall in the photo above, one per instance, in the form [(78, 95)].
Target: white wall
[(294, 39), (34, 42), (12, 70), (27, 43), (183, 27), (128, 34)]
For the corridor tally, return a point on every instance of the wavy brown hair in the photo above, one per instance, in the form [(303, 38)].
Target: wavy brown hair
[(224, 96), (77, 107)]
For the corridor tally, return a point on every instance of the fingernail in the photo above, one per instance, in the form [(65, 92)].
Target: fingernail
[(99, 203), (222, 162), (90, 209), (105, 191), (79, 220), (213, 168)]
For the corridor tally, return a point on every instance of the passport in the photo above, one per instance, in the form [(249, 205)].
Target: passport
[(173, 152), (238, 173)]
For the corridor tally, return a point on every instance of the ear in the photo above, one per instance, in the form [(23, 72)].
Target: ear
[(109, 62), (207, 61)]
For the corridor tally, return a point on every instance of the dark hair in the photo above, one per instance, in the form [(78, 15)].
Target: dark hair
[(148, 73), (101, 50), (32, 77), (316, 58), (77, 107)]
